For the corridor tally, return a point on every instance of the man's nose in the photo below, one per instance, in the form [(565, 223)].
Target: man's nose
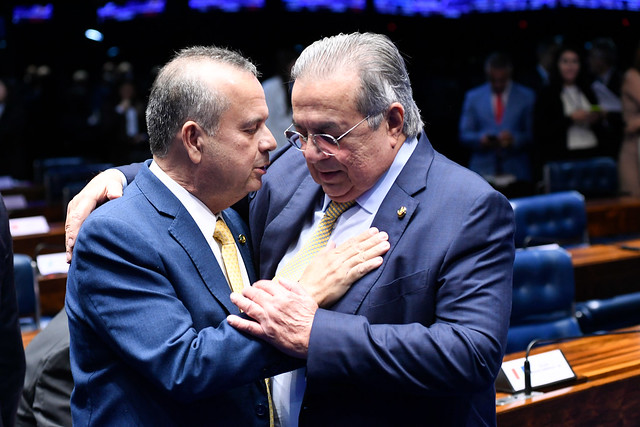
[(313, 153), (267, 141)]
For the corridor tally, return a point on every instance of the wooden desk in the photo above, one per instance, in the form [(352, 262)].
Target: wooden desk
[(603, 271), (609, 394), (27, 244), (613, 216), (54, 212)]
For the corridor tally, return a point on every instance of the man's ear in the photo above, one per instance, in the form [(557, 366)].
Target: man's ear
[(192, 140), (395, 120)]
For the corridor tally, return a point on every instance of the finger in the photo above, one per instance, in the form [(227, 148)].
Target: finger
[(365, 240), (244, 325), (77, 211), (260, 291), (375, 251), (246, 305), (265, 286), (376, 245), (363, 268), (291, 286), (351, 246)]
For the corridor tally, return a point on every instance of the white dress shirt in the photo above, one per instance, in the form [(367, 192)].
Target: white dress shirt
[(288, 388), (202, 215)]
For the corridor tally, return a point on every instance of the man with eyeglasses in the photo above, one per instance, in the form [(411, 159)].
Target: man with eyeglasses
[(420, 340)]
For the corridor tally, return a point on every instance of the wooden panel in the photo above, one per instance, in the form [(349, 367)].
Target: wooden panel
[(613, 217), (603, 271), (27, 244), (609, 394), (52, 291)]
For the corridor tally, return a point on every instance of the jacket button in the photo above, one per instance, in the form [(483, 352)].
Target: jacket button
[(261, 410)]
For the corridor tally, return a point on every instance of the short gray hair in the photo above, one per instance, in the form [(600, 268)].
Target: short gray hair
[(179, 95), (382, 70)]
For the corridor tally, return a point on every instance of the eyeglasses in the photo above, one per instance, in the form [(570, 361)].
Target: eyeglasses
[(326, 143)]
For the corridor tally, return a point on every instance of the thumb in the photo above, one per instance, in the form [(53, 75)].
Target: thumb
[(114, 190)]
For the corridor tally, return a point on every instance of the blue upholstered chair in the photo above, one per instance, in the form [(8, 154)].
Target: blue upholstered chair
[(27, 292), (41, 166), (551, 218), (607, 314), (595, 177), (543, 293), (56, 178)]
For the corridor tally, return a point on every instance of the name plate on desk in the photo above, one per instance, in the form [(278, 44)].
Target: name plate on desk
[(52, 263), (547, 369), (15, 202), (28, 225)]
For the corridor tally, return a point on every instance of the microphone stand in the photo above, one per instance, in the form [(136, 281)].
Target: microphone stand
[(528, 392)]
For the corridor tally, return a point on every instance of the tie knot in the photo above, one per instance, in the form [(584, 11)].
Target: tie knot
[(222, 233), (336, 209)]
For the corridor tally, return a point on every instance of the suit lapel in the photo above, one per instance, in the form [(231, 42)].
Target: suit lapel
[(189, 236), (185, 231), (286, 226), (395, 213)]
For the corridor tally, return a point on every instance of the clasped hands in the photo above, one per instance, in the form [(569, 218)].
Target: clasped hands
[(281, 311)]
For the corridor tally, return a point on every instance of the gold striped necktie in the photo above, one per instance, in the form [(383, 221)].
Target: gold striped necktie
[(318, 240), (223, 235)]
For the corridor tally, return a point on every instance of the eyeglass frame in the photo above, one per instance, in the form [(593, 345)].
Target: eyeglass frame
[(313, 137)]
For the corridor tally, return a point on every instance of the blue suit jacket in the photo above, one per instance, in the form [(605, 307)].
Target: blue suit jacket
[(420, 340), (147, 304), (477, 119)]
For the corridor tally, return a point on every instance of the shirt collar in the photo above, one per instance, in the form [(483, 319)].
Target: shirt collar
[(201, 214)]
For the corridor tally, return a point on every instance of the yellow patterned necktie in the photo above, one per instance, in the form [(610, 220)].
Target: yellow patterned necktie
[(222, 234), (318, 240)]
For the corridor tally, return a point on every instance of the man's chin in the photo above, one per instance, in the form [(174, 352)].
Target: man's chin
[(337, 194)]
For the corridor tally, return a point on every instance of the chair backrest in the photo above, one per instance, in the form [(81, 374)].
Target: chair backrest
[(56, 178), (26, 291), (606, 314), (550, 218), (543, 296), (594, 177), (41, 166)]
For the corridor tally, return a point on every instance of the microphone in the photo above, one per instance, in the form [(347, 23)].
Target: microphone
[(528, 389)]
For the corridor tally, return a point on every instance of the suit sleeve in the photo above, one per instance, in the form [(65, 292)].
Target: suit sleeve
[(119, 289), (461, 351), (469, 128)]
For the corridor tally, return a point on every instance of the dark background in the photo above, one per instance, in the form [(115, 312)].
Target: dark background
[(444, 55)]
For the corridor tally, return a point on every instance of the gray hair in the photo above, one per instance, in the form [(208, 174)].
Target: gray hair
[(382, 70), (179, 95)]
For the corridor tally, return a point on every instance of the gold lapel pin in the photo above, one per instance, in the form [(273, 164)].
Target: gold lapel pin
[(401, 212), (242, 239)]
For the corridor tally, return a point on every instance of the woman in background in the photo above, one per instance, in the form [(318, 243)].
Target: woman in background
[(629, 159), (566, 116)]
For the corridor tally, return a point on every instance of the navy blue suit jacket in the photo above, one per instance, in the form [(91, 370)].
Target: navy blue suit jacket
[(147, 304), (477, 119), (12, 364), (420, 340)]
